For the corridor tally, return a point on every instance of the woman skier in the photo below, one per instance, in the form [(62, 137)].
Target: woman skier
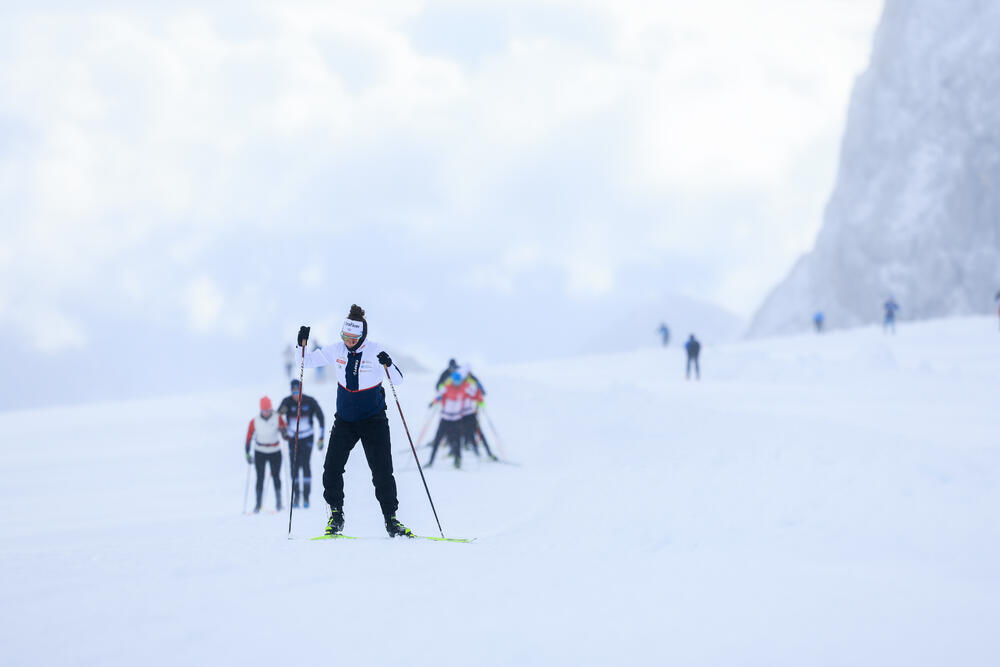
[(266, 430), (360, 416)]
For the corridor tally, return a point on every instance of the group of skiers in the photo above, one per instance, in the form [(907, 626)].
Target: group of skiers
[(889, 309), (460, 395), (692, 346), (361, 366), (266, 431)]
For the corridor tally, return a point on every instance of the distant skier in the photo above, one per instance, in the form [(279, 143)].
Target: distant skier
[(997, 299), (818, 321), (361, 365), (890, 307), (300, 456), (470, 420), (664, 333), (289, 355), (693, 348), (451, 396), (266, 430)]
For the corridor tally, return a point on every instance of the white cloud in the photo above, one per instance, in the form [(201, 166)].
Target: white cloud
[(153, 141)]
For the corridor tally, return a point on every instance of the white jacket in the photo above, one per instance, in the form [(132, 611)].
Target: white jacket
[(359, 377)]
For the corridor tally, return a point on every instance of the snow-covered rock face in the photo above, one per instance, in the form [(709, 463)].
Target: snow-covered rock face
[(916, 208)]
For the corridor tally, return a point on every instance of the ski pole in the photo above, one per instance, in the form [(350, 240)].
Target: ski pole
[(413, 449), (246, 489), (298, 416)]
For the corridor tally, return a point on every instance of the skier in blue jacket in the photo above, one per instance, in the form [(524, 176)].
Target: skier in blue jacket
[(890, 307)]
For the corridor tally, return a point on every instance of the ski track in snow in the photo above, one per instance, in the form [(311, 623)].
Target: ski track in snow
[(815, 500)]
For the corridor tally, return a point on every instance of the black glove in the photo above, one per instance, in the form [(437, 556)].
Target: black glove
[(303, 336), (384, 359), (249, 458)]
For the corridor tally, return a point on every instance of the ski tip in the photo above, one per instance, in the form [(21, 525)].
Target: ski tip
[(334, 537)]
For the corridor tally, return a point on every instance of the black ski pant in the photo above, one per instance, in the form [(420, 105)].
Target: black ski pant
[(374, 435), (469, 429), (697, 372), (301, 460), (261, 460), (452, 431)]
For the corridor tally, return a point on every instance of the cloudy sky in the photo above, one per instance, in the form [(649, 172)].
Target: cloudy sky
[(183, 184)]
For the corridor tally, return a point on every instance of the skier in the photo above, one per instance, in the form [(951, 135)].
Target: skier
[(664, 333), (818, 321), (889, 323), (451, 396), (266, 430), (360, 365), (300, 455), (473, 400), (693, 348)]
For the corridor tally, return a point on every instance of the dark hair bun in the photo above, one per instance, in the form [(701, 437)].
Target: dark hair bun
[(357, 313)]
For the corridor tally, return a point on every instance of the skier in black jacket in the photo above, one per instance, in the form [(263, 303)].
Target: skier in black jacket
[(301, 455), (693, 348)]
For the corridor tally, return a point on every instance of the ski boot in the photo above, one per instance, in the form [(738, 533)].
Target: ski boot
[(394, 527), (336, 523), (305, 503)]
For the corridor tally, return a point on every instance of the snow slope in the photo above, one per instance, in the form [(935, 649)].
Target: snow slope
[(815, 500), (915, 211)]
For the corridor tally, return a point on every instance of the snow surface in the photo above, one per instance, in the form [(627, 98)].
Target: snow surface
[(915, 212), (814, 500)]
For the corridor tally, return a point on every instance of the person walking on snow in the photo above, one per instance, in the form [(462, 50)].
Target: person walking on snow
[(360, 365), (664, 333), (818, 321), (266, 430), (300, 455), (693, 348), (889, 323)]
